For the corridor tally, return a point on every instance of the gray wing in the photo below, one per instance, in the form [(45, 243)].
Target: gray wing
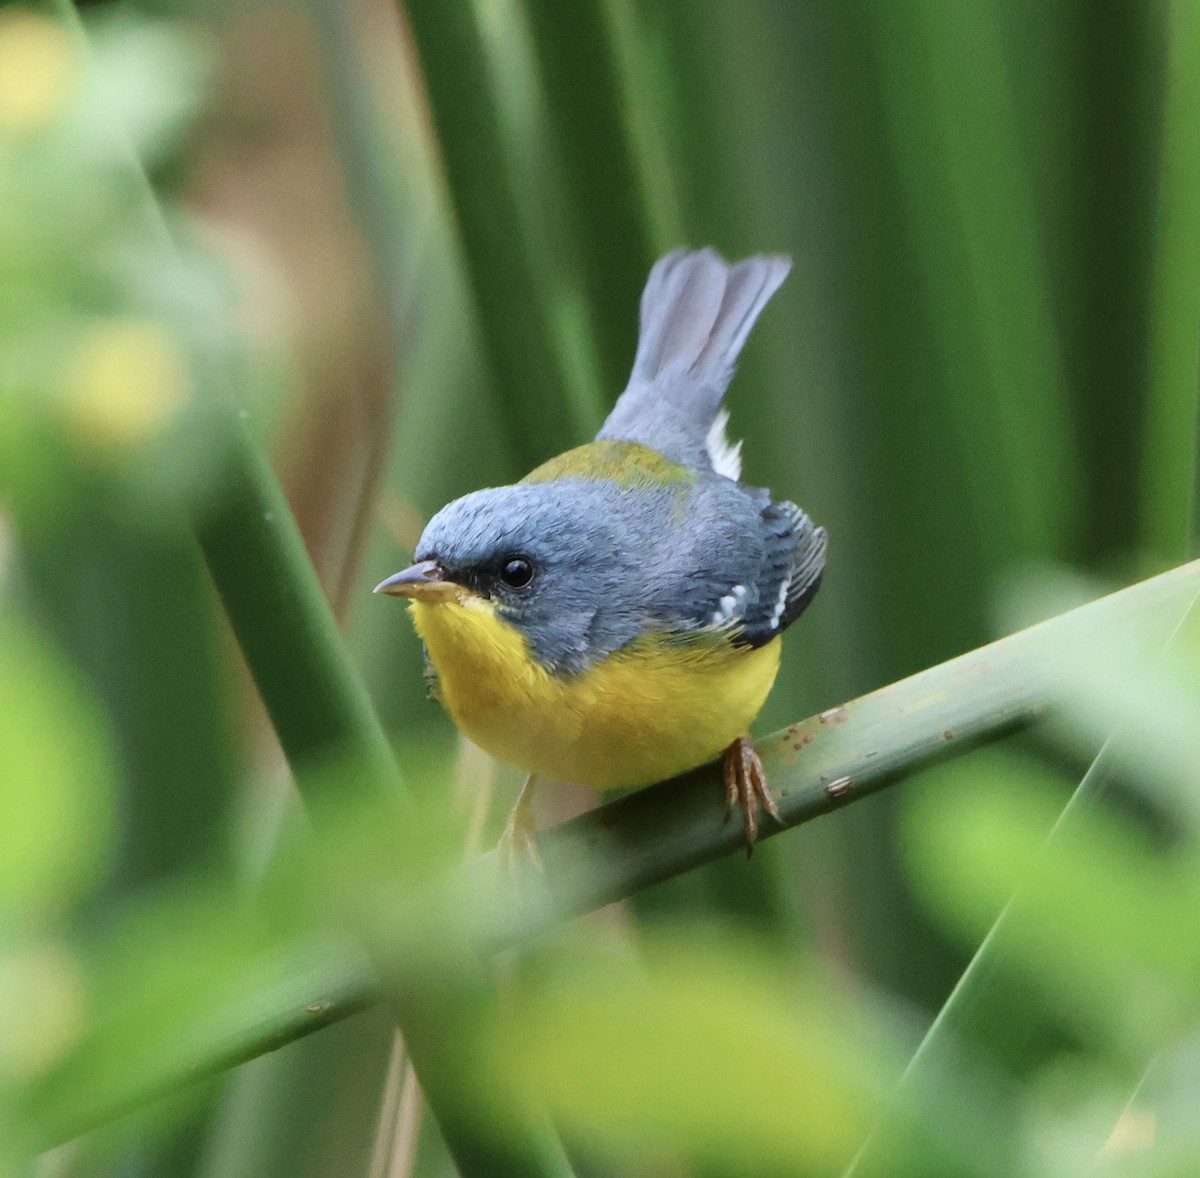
[(793, 564), (741, 563), (697, 311)]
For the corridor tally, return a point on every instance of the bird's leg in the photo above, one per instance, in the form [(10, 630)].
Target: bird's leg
[(518, 843), (746, 787)]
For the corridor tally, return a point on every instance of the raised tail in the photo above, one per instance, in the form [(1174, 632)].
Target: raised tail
[(696, 313)]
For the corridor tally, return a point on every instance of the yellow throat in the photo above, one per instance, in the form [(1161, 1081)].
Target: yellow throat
[(656, 708)]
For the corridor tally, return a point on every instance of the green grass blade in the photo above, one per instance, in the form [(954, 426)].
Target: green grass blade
[(969, 208), (542, 396), (1173, 407), (583, 100), (306, 991), (274, 601)]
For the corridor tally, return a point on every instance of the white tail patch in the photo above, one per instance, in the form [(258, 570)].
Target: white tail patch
[(726, 456)]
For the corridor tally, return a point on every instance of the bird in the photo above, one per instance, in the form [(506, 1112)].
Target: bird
[(616, 617)]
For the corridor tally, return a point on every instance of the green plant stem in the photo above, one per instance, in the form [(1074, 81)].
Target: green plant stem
[(969, 210), (300, 991), (580, 77), (1169, 460), (289, 637), (513, 299), (665, 830), (320, 708)]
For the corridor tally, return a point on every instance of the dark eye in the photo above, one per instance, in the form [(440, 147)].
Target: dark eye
[(517, 572)]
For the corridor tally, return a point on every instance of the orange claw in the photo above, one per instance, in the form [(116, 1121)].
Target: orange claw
[(746, 787)]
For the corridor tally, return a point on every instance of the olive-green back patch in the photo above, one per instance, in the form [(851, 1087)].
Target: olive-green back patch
[(629, 464)]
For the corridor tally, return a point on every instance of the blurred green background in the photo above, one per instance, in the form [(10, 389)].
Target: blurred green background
[(400, 246)]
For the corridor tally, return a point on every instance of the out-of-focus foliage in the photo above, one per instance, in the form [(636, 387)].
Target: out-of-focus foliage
[(430, 226), (105, 336), (704, 1049), (57, 798), (1098, 920)]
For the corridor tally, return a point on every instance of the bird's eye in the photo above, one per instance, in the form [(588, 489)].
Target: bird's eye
[(517, 572)]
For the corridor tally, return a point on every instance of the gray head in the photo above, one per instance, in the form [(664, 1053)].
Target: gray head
[(559, 561)]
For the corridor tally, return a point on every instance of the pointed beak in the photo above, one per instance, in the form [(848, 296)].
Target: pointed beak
[(423, 581)]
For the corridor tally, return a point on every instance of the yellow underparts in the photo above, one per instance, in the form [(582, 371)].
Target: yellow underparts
[(654, 709)]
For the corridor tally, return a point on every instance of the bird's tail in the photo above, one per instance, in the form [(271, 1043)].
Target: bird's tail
[(697, 310)]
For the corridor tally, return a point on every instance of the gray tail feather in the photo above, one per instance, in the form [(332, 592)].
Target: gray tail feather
[(697, 311)]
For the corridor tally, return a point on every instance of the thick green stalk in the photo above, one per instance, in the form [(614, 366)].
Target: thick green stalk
[(299, 992), (818, 765), (374, 199), (584, 105), (320, 708), (287, 633), (1173, 406), (969, 212), (540, 397)]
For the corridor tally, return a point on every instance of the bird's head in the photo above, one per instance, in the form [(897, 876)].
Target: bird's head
[(556, 561)]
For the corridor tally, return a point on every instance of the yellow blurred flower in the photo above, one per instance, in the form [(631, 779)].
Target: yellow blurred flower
[(43, 999), (38, 69), (123, 382)]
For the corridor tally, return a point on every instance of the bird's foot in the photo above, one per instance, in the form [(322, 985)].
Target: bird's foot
[(518, 842), (746, 787)]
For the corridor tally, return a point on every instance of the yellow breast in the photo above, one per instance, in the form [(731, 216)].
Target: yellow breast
[(652, 710)]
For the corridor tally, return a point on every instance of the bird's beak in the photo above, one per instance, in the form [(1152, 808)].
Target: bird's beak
[(424, 582)]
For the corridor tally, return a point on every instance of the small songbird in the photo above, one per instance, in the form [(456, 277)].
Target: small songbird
[(615, 618)]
